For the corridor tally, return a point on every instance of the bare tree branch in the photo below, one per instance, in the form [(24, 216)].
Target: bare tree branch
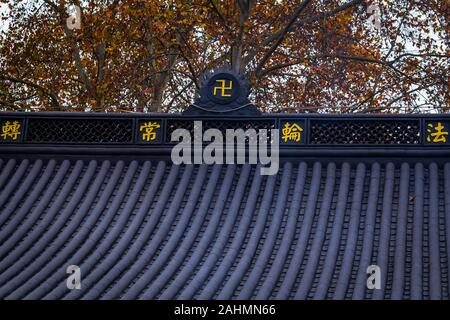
[(274, 36), (35, 86), (282, 35)]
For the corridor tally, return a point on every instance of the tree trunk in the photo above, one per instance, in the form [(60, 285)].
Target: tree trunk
[(156, 102)]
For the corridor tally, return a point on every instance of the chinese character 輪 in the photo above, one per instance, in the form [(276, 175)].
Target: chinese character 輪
[(291, 132), (436, 133), (149, 130), (11, 130)]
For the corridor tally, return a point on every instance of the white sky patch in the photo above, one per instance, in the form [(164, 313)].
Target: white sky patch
[(4, 11)]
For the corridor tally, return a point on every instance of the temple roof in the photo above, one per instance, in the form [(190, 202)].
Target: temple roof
[(352, 192)]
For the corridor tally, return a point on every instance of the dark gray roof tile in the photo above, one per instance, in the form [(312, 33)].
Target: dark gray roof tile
[(151, 230)]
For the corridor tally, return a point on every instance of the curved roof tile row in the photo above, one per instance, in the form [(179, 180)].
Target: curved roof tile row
[(153, 230)]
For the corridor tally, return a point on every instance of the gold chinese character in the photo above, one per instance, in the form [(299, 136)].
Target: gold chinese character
[(435, 133), (149, 130), (222, 88), (292, 132), (11, 130)]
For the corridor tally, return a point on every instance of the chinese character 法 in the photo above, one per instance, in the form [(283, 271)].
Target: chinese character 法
[(436, 133)]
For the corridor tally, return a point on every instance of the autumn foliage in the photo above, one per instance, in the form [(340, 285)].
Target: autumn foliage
[(299, 55)]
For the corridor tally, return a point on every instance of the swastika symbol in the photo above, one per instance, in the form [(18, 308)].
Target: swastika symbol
[(223, 88)]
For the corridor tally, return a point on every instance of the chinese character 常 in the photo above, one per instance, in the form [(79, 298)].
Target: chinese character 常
[(148, 129), (436, 133), (11, 130), (291, 132)]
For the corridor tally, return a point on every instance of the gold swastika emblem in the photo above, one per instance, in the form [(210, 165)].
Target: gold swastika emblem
[(223, 88)]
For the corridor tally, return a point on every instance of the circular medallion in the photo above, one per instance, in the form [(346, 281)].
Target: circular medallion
[(223, 88)]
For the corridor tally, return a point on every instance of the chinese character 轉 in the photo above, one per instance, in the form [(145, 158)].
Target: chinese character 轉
[(11, 130)]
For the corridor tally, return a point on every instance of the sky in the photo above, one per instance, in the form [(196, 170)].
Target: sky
[(3, 24)]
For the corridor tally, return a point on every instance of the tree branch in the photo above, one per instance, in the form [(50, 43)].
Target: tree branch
[(221, 16), (35, 86), (388, 64), (282, 35), (408, 93), (273, 36), (76, 55)]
